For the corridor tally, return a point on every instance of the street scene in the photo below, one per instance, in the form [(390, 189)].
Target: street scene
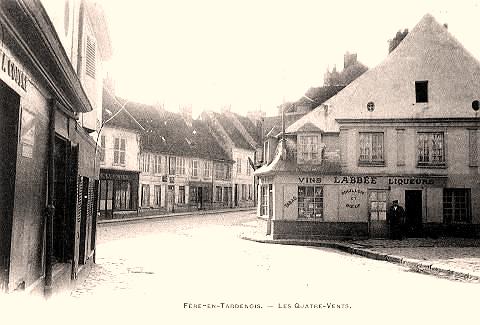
[(197, 268), (241, 162)]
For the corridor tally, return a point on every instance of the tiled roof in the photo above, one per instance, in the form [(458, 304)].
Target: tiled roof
[(168, 133), (253, 130), (112, 117), (233, 133)]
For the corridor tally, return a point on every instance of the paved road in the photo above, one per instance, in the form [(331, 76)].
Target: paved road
[(191, 269)]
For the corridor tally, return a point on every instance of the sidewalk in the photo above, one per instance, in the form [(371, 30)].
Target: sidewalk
[(171, 215), (454, 258)]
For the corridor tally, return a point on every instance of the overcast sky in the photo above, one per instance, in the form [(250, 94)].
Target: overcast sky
[(253, 54)]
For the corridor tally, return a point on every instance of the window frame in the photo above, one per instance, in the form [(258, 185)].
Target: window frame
[(308, 152), (467, 194), (145, 199), (302, 199), (181, 194), (118, 153), (430, 163), (370, 161), (421, 91)]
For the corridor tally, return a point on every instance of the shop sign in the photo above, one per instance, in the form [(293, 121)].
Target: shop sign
[(352, 197), (9, 67), (410, 181), (27, 138), (118, 177)]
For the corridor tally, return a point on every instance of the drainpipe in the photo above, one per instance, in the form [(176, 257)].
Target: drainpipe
[(50, 209)]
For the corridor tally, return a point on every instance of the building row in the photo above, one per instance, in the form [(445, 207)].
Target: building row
[(404, 130), (156, 161), (51, 81)]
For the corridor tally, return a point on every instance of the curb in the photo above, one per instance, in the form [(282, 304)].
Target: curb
[(171, 215), (420, 266)]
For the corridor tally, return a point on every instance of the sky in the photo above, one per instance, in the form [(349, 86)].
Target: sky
[(253, 55)]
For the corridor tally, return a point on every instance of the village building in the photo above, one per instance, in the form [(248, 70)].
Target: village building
[(51, 66), (405, 130), (239, 137), (118, 155)]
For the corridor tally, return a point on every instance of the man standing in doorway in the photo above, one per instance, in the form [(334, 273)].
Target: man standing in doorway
[(396, 221)]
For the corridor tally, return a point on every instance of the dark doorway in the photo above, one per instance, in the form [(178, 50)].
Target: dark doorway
[(413, 213), (236, 195), (200, 197), (83, 221), (9, 111), (171, 198)]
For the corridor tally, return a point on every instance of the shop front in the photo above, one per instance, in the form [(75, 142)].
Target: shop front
[(118, 192), (200, 195), (356, 206)]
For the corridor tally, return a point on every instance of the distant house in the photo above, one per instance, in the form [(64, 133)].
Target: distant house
[(404, 130), (240, 138)]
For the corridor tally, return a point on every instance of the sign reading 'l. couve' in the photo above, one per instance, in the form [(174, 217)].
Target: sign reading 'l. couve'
[(8, 66)]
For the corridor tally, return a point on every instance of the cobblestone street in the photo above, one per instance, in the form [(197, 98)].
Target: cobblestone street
[(192, 269)]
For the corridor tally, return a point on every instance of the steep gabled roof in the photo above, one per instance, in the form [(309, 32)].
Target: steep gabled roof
[(168, 133), (115, 114), (253, 130), (429, 52), (233, 133)]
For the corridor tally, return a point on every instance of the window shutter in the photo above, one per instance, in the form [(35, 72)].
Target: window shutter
[(473, 147), (343, 146), (401, 147), (90, 57)]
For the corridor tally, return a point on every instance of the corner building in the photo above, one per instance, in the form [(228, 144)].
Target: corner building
[(405, 130)]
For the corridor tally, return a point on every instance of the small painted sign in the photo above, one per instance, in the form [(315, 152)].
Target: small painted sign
[(27, 138)]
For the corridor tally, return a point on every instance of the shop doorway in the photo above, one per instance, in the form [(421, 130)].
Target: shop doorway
[(413, 213), (9, 111), (236, 195), (171, 198), (200, 197)]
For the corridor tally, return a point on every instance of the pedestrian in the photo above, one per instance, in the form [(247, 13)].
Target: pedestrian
[(396, 221)]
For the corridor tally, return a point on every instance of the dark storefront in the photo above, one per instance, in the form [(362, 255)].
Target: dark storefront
[(200, 195), (118, 192)]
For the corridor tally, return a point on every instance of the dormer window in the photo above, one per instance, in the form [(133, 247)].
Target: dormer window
[(421, 91), (309, 148)]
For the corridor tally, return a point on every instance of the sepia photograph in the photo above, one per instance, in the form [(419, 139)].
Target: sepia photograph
[(239, 162)]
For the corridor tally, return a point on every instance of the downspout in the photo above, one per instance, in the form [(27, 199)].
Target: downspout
[(50, 209)]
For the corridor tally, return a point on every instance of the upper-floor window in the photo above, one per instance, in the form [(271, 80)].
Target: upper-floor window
[(194, 168), (371, 147), (157, 164), (90, 54), (308, 147), (172, 165), (431, 148), (119, 149), (266, 148), (247, 168), (101, 151), (145, 163), (228, 172), (239, 166), (206, 169), (219, 171), (181, 166), (421, 91)]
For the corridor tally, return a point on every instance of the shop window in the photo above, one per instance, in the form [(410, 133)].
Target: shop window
[(181, 194), (431, 149), (456, 205), (250, 191), (101, 151), (244, 192), (158, 195), (219, 193), (119, 149), (123, 194), (371, 148), (264, 200), (172, 165), (310, 203), (421, 91), (308, 147), (378, 205), (90, 57), (239, 166), (145, 195), (193, 194)]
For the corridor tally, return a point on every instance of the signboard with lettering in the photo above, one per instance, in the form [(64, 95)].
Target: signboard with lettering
[(13, 71), (377, 181)]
